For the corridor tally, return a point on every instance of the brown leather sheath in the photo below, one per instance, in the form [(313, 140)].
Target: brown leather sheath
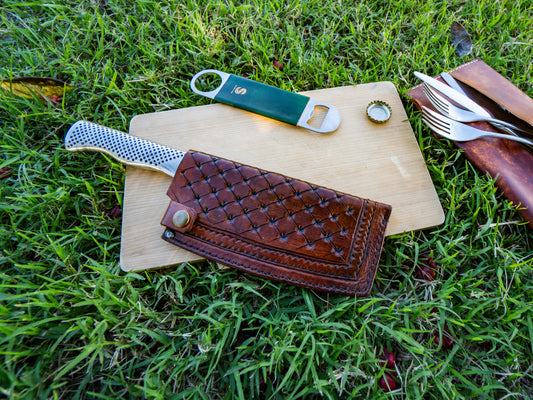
[(510, 163), (274, 226)]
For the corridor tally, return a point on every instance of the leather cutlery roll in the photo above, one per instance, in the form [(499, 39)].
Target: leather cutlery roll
[(274, 226), (509, 162)]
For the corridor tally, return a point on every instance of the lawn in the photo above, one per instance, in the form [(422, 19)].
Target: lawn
[(74, 326)]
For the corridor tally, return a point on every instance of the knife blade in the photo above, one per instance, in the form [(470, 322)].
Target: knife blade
[(454, 85), (454, 95), (450, 80), (130, 150)]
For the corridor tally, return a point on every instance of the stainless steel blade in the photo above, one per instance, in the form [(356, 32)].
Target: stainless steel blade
[(125, 148), (450, 80), (506, 127), (454, 95)]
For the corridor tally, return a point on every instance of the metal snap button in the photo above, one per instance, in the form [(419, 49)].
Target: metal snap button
[(181, 218)]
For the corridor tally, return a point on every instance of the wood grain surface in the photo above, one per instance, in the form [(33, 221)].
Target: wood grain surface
[(381, 162)]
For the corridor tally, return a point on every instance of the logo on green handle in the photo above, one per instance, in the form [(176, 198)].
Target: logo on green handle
[(238, 90)]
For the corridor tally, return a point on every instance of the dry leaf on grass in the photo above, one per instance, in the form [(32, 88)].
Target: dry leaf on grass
[(47, 88), (460, 39)]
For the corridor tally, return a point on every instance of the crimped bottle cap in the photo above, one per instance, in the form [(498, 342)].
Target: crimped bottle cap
[(378, 111)]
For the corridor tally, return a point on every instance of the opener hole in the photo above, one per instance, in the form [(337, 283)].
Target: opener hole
[(208, 82), (319, 114)]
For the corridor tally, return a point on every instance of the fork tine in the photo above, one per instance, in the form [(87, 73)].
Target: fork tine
[(436, 100), (444, 103), (436, 115), (436, 104), (436, 94), (436, 118), (439, 96), (432, 122), (435, 128)]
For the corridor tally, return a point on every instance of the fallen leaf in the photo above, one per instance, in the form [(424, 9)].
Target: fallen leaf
[(49, 89), (386, 357), (387, 382), (115, 212), (427, 269), (447, 339), (5, 172), (460, 39)]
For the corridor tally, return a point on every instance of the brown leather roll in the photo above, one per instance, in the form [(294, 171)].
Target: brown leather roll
[(274, 226), (490, 83), (510, 163)]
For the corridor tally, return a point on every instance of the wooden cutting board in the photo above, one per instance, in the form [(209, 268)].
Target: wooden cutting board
[(379, 162)]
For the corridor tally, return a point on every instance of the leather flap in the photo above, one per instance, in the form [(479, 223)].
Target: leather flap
[(179, 217), (493, 85)]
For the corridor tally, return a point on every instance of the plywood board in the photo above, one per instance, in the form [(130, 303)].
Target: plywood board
[(379, 162)]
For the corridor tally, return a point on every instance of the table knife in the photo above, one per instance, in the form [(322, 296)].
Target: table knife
[(454, 95), (450, 80)]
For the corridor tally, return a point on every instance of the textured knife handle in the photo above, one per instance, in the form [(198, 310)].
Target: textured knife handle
[(127, 149)]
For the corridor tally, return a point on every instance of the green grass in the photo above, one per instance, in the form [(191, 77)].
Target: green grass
[(73, 326)]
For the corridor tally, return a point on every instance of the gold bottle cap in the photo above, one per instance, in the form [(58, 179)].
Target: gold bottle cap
[(378, 111)]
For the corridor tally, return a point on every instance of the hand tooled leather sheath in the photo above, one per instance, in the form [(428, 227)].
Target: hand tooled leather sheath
[(274, 226)]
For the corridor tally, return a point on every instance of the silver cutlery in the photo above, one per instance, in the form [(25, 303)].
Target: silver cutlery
[(459, 132), (462, 100), (461, 115), (459, 97), (450, 80)]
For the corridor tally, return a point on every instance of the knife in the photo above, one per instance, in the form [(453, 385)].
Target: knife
[(130, 150), (450, 80), (454, 95), (256, 221)]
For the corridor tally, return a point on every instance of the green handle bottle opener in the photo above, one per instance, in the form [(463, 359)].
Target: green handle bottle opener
[(269, 101)]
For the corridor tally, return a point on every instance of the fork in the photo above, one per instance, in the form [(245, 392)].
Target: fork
[(458, 114), (459, 132)]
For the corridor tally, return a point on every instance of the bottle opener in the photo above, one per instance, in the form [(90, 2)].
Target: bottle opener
[(269, 101)]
